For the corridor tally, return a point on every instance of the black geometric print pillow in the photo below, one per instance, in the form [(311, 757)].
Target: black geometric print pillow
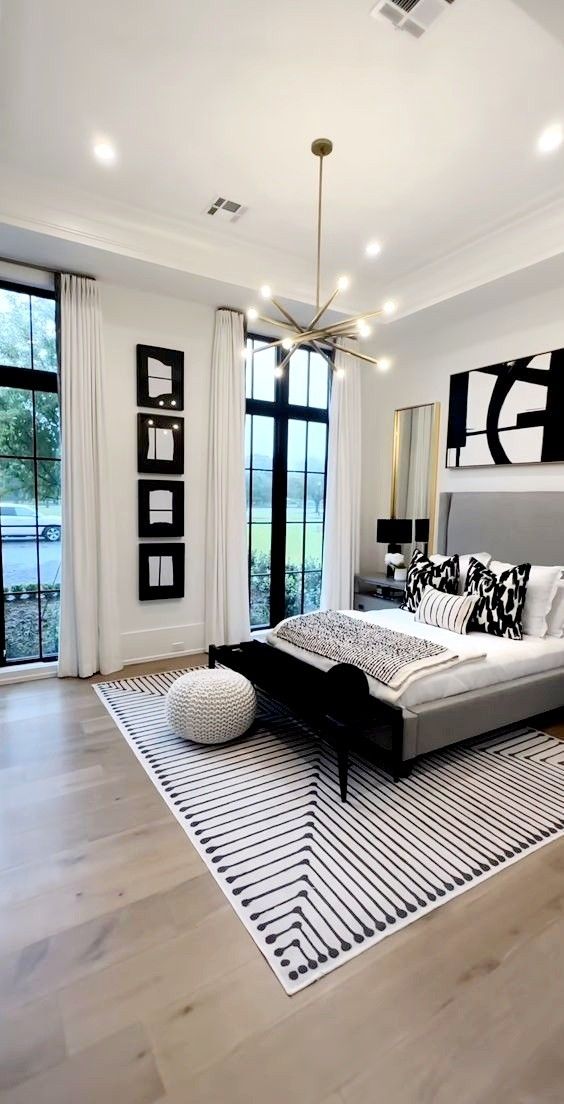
[(499, 611), (422, 573)]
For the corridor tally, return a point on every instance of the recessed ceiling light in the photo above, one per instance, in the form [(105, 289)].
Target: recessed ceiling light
[(373, 248), (390, 306), (551, 138), (252, 314), (104, 152)]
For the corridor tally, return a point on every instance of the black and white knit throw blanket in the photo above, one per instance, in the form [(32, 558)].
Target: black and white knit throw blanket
[(393, 658)]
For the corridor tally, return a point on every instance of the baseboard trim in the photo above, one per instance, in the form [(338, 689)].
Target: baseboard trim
[(164, 655), (28, 672)]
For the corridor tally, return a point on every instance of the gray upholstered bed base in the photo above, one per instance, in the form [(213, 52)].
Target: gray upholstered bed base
[(515, 527)]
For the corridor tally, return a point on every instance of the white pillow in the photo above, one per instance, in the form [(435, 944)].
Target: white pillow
[(464, 562), (555, 619), (446, 611), (541, 590)]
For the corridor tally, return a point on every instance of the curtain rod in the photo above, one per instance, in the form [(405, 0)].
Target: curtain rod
[(45, 268)]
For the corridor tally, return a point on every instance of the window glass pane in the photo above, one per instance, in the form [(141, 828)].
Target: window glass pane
[(264, 364), (315, 495), (312, 591), (263, 441), (318, 381), (249, 370), (296, 445), (295, 496), (261, 539), (21, 613), (313, 545), (50, 601), (248, 492), (260, 600), (49, 492), (248, 420), (47, 424), (17, 483), (293, 594), (16, 422), (262, 495), (15, 329), (298, 377), (316, 446), (44, 332), (294, 544)]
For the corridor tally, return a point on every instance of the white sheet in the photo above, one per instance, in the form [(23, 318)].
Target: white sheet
[(504, 659)]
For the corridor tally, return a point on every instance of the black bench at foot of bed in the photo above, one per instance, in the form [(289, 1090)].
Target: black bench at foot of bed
[(337, 703)]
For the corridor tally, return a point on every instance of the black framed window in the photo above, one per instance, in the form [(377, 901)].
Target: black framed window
[(285, 469), (30, 475)]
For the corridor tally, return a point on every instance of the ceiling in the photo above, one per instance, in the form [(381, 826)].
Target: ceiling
[(434, 140)]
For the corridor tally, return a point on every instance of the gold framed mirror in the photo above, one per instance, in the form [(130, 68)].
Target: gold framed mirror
[(415, 461)]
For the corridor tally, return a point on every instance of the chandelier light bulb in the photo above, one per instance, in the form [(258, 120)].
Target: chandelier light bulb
[(343, 283), (373, 248), (287, 343), (340, 373), (244, 352), (363, 328), (384, 364), (551, 138), (390, 306), (266, 291), (252, 314), (278, 371)]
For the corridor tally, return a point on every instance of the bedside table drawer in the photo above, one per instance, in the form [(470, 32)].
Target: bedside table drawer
[(365, 602)]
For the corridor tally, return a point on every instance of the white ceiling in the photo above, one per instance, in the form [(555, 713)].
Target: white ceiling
[(434, 140)]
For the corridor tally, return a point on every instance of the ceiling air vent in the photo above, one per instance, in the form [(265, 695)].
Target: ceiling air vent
[(225, 209), (413, 16)]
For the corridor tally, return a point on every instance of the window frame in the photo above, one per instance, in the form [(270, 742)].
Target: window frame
[(34, 380), (282, 412)]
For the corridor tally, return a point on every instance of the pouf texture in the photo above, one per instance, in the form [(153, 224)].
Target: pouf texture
[(211, 706)]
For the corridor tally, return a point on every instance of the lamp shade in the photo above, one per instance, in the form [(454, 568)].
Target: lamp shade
[(422, 530), (394, 531)]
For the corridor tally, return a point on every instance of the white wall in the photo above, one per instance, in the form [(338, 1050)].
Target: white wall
[(427, 349), (152, 629)]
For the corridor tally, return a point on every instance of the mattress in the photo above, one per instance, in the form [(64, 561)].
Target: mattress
[(504, 659)]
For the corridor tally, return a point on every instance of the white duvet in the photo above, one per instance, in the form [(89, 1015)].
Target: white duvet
[(503, 660)]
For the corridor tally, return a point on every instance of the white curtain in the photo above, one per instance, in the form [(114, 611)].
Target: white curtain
[(227, 589), (342, 506), (89, 632)]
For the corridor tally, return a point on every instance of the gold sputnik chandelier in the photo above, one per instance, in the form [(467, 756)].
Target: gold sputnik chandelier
[(324, 337)]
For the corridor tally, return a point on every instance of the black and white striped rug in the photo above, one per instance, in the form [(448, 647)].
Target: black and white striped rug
[(315, 881)]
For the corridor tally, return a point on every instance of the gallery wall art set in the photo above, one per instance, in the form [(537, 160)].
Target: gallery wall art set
[(160, 452)]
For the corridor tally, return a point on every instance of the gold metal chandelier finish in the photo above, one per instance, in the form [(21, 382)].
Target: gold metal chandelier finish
[(323, 337)]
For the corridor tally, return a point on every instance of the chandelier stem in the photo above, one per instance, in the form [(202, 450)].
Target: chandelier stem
[(319, 203)]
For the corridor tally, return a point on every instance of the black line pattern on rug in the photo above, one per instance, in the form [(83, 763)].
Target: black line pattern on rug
[(316, 881)]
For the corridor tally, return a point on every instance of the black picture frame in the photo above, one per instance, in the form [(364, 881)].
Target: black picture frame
[(164, 562), (154, 362), (161, 518), (156, 464)]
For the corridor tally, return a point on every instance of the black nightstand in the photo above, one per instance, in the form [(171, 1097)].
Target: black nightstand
[(373, 592)]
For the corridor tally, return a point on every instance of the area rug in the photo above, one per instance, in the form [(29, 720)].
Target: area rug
[(315, 881)]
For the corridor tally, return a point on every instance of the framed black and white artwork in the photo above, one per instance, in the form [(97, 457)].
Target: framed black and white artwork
[(160, 444), (160, 377), (161, 508), (161, 571), (509, 413)]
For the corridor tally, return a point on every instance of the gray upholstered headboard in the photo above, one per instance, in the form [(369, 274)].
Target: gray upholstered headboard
[(514, 526)]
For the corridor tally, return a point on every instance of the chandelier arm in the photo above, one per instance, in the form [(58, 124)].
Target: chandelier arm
[(275, 322), (336, 326), (354, 353), (322, 309), (286, 314), (323, 352)]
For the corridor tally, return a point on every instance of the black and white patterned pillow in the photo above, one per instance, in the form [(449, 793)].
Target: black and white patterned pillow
[(422, 573), (499, 610)]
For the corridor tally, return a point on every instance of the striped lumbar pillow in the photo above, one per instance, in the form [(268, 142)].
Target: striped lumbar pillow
[(446, 611)]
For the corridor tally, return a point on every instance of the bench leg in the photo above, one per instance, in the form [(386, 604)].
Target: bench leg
[(211, 656), (343, 760)]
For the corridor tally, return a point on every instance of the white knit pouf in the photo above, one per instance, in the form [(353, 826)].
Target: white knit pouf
[(211, 706)]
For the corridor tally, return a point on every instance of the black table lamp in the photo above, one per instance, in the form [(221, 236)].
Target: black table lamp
[(422, 532), (394, 532)]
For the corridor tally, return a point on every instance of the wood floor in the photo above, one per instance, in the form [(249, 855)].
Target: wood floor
[(126, 976)]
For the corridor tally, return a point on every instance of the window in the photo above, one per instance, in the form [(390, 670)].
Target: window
[(30, 476), (285, 468)]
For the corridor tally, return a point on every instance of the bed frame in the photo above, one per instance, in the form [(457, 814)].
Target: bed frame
[(513, 526)]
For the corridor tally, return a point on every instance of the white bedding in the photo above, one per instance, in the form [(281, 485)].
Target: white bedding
[(504, 659)]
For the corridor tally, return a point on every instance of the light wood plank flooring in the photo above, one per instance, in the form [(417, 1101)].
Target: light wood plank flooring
[(125, 975)]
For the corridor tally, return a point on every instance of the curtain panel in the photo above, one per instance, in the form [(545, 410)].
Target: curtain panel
[(227, 588), (341, 545), (89, 631)]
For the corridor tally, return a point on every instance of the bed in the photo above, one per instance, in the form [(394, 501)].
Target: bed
[(514, 681)]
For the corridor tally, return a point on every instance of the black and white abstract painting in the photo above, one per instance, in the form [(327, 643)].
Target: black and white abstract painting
[(160, 377), (160, 444), (161, 508), (161, 571), (509, 413)]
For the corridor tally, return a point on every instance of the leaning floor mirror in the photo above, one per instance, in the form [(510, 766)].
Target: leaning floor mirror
[(414, 471)]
